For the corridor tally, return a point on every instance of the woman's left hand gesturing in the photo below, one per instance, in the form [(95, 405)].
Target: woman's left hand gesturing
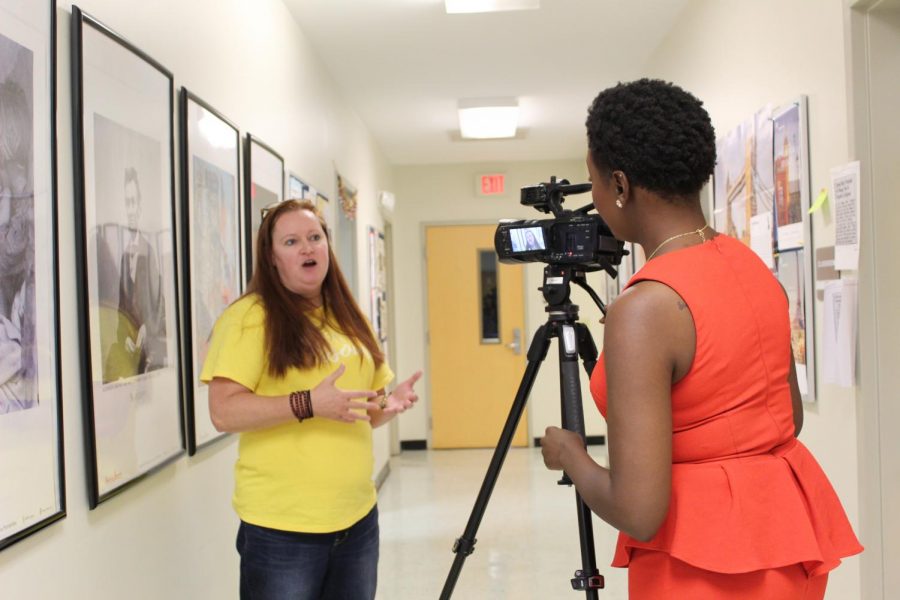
[(403, 396)]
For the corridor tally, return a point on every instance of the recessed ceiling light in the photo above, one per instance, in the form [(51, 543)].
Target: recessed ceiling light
[(488, 118), (478, 6)]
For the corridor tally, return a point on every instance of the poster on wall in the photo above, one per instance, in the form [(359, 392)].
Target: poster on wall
[(125, 210), (264, 188), (32, 495), (792, 196), (296, 189), (211, 235), (730, 206), (378, 283), (326, 208), (794, 277), (762, 214), (743, 185), (344, 228)]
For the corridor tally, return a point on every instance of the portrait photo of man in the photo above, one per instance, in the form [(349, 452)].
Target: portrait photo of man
[(131, 300), (140, 288)]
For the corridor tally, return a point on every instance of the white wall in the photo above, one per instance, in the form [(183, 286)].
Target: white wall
[(737, 56), (172, 535), (428, 195)]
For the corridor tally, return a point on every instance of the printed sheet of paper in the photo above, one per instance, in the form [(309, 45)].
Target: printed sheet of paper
[(845, 192), (839, 332), (761, 238)]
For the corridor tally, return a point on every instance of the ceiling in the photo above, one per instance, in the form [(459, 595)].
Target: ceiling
[(405, 64)]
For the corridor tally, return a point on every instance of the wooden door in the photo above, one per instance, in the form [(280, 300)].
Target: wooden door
[(476, 318)]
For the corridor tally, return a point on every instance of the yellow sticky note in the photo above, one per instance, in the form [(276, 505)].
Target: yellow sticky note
[(820, 200)]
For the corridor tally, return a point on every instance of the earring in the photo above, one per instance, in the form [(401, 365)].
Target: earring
[(619, 203)]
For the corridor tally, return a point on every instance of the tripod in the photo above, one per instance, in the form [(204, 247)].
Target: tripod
[(574, 341)]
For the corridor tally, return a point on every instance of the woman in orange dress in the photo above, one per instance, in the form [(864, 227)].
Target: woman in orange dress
[(712, 493)]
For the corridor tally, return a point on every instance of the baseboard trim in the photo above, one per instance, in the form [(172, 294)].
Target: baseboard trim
[(592, 440), (413, 445), (382, 475)]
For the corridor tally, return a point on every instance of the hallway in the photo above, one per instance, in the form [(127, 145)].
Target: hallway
[(527, 542)]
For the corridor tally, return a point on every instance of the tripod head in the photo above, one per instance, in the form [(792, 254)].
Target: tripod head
[(556, 287)]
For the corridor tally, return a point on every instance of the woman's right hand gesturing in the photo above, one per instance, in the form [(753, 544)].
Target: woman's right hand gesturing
[(330, 402)]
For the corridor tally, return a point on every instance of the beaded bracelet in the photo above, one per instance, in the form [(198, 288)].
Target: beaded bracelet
[(301, 404)]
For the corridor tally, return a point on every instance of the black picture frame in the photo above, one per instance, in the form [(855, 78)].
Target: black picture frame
[(263, 186), (793, 226), (123, 147), (210, 241), (31, 415), (762, 197)]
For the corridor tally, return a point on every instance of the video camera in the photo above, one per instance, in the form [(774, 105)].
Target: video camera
[(572, 238)]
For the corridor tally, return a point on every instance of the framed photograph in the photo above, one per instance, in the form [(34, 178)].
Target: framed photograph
[(125, 211), (210, 237), (31, 435), (264, 181), (791, 166), (297, 189)]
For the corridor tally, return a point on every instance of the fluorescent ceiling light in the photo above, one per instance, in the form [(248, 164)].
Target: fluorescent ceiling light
[(487, 119), (479, 6)]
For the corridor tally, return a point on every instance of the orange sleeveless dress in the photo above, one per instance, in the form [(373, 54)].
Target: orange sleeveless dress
[(746, 495)]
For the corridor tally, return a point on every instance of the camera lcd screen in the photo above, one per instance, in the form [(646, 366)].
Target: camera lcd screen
[(527, 239)]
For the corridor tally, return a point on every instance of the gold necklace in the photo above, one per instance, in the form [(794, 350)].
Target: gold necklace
[(680, 235)]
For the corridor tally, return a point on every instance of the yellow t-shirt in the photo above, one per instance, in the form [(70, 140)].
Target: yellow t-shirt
[(314, 476)]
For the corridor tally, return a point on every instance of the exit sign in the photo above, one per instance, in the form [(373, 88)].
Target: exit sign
[(491, 185)]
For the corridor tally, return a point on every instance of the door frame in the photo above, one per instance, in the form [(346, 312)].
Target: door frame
[(423, 236), (870, 387)]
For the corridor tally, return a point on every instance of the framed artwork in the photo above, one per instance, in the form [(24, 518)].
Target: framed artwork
[(125, 212), (264, 181), (344, 228), (31, 436), (378, 287), (296, 189), (211, 239), (791, 165)]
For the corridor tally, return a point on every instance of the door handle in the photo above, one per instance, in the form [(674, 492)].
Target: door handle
[(516, 344)]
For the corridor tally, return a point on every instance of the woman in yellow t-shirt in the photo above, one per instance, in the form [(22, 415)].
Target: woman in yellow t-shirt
[(293, 367)]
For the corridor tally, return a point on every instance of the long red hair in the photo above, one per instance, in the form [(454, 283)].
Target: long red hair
[(293, 339)]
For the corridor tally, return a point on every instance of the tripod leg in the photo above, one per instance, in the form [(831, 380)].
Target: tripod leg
[(587, 578), (465, 545)]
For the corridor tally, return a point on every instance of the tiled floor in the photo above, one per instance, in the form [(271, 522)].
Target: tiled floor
[(528, 544)]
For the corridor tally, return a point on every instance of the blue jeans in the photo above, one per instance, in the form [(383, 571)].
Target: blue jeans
[(287, 565)]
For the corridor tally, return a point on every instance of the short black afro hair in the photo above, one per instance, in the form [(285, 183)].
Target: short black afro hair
[(656, 133)]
